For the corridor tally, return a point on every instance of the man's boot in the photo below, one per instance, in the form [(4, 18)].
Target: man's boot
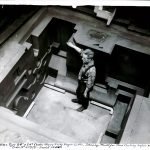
[(80, 109), (75, 100)]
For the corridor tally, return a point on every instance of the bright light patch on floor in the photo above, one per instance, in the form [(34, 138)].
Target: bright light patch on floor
[(54, 110)]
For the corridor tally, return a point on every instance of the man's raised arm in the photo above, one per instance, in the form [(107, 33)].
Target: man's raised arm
[(79, 50)]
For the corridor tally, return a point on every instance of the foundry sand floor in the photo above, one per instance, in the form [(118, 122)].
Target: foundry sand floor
[(54, 110)]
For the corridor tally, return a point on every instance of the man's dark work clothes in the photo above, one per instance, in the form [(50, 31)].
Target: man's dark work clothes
[(86, 79)]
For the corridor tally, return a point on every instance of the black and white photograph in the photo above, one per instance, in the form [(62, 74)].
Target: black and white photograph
[(74, 74)]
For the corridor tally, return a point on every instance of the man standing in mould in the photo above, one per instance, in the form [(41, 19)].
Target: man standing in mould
[(86, 77)]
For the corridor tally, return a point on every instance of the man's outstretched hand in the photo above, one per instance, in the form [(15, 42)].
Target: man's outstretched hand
[(74, 46), (70, 44)]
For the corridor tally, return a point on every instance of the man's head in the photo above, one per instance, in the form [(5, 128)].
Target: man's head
[(87, 56)]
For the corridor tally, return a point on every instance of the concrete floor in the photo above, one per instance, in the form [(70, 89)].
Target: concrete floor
[(15, 129), (54, 110)]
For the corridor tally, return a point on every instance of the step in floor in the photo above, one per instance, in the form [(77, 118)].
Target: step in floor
[(55, 110), (67, 83), (108, 140), (108, 99), (62, 53), (58, 63), (70, 84), (50, 80), (116, 120)]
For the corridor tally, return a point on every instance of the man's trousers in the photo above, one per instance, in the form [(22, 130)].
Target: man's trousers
[(80, 94)]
